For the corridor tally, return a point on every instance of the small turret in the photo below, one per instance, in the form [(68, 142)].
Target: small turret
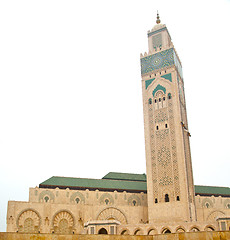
[(159, 36)]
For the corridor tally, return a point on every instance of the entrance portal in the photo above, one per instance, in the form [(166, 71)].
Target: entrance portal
[(102, 231)]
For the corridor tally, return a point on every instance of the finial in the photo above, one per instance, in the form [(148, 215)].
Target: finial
[(158, 18)]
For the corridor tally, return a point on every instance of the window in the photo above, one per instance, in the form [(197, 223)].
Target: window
[(166, 198), (156, 201), (46, 198), (112, 230), (134, 202), (92, 230), (163, 98), (77, 200), (178, 198), (106, 201), (223, 226), (207, 205), (159, 99), (165, 231), (155, 101), (228, 205), (166, 125), (150, 101), (169, 96), (157, 127)]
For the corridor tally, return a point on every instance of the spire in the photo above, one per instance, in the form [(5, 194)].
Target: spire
[(158, 18)]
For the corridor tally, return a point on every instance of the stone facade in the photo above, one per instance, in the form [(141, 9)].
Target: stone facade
[(126, 213), (167, 204)]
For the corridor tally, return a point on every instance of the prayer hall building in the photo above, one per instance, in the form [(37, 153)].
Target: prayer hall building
[(164, 200)]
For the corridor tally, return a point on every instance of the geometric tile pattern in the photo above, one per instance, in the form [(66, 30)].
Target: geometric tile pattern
[(166, 76), (163, 150), (157, 61), (148, 82), (157, 41)]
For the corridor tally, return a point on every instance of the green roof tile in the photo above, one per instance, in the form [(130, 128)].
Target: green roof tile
[(87, 183), (208, 190), (121, 182), (125, 176)]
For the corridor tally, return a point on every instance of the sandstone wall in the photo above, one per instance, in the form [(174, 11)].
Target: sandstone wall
[(178, 236)]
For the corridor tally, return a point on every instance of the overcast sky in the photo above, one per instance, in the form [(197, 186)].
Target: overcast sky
[(70, 88)]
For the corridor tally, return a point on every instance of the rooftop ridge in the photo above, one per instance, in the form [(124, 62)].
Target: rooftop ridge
[(211, 186)]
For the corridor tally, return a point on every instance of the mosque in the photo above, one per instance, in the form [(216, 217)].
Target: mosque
[(164, 200)]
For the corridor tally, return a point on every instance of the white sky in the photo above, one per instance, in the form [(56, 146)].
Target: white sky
[(70, 88)]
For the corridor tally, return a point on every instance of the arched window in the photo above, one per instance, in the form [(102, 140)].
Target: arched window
[(138, 232), (134, 202), (46, 198), (166, 231), (166, 198), (150, 100), (77, 200), (194, 229), (102, 231), (124, 232), (106, 201)]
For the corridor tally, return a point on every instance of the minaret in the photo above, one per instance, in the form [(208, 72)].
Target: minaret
[(170, 185)]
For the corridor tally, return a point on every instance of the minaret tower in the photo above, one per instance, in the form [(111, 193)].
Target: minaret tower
[(170, 185)]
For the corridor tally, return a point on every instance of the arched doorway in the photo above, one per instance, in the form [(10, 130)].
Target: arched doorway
[(166, 230), (102, 231), (124, 232), (152, 232)]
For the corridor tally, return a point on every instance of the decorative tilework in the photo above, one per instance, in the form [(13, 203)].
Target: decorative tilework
[(148, 82), (106, 197), (167, 76), (34, 225), (166, 180), (161, 116), (76, 195), (157, 61), (45, 193), (133, 198), (157, 31), (177, 64), (164, 156), (157, 41), (159, 87)]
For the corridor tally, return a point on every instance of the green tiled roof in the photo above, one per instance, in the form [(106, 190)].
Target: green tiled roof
[(121, 182), (125, 176), (208, 190), (93, 184)]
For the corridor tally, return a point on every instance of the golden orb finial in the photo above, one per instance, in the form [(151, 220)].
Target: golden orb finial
[(158, 18)]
